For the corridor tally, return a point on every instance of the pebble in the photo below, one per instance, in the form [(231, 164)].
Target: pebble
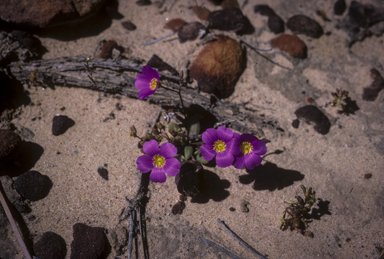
[(88, 242), (339, 7), (60, 124), (175, 24), (291, 44), (218, 66), (244, 206), (190, 180), (229, 20), (190, 31), (103, 172), (107, 48), (8, 142), (302, 24), (264, 10), (128, 25), (276, 24), (310, 113), (371, 92), (296, 123), (178, 208), (50, 245), (32, 185), (367, 176)]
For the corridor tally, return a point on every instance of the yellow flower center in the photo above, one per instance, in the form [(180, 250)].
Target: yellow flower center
[(153, 84), (219, 146), (246, 148), (158, 161)]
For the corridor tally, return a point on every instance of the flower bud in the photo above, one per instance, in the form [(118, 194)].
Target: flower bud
[(188, 152)]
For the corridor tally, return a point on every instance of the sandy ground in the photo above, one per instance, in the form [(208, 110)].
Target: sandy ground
[(352, 216)]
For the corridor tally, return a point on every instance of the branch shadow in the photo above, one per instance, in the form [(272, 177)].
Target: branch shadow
[(270, 177), (214, 188)]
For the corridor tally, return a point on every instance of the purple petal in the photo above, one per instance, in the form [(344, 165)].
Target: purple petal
[(259, 147), (207, 152), (239, 162), (209, 136), (151, 148), (144, 163), (224, 134), (252, 160), (224, 159), (145, 93), (167, 150), (234, 147), (142, 82), (248, 138), (150, 72), (158, 175), (172, 166)]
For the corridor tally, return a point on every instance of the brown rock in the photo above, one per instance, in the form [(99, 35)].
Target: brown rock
[(128, 25), (175, 24), (45, 13), (304, 25), (291, 44), (8, 142), (218, 66)]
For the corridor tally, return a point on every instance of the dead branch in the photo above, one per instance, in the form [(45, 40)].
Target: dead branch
[(115, 76)]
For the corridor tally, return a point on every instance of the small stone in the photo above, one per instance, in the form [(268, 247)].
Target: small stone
[(201, 12), (218, 66), (295, 123), (308, 234), (304, 25), (310, 113), (143, 2), (128, 25), (244, 206), (103, 172), (60, 124), (88, 242), (49, 246), (232, 209), (276, 24), (175, 24), (190, 31), (365, 15), (367, 176), (371, 92), (264, 10), (107, 48), (229, 20), (339, 7), (190, 180), (31, 185), (291, 44), (8, 142), (160, 65), (178, 208)]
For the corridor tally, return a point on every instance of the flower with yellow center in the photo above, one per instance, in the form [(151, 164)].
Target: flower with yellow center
[(147, 82), (251, 151)]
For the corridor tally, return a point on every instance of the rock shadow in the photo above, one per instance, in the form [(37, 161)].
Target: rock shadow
[(321, 210), (214, 188), (270, 177)]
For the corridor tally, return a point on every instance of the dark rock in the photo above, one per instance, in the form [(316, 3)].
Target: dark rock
[(88, 242), (310, 113), (244, 206), (60, 124), (128, 25), (190, 31), (107, 48), (190, 180), (218, 66), (365, 15), (103, 172), (32, 14), (49, 246), (229, 20), (175, 24), (339, 7), (32, 185), (371, 92), (291, 44), (304, 25), (275, 24), (159, 64), (8, 143), (143, 2), (264, 10), (178, 208), (201, 12), (232, 209), (295, 123), (367, 176)]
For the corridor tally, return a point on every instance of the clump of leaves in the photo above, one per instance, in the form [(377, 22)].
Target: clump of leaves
[(297, 213)]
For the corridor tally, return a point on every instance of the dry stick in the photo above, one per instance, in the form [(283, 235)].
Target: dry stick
[(241, 241), (131, 229), (13, 223)]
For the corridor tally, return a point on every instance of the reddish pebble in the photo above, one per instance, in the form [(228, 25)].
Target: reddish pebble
[(291, 44)]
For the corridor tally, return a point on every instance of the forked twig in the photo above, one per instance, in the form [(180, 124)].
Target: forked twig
[(13, 223)]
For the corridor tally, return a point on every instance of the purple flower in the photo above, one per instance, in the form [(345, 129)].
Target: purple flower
[(251, 151), (147, 82), (159, 161), (219, 143)]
